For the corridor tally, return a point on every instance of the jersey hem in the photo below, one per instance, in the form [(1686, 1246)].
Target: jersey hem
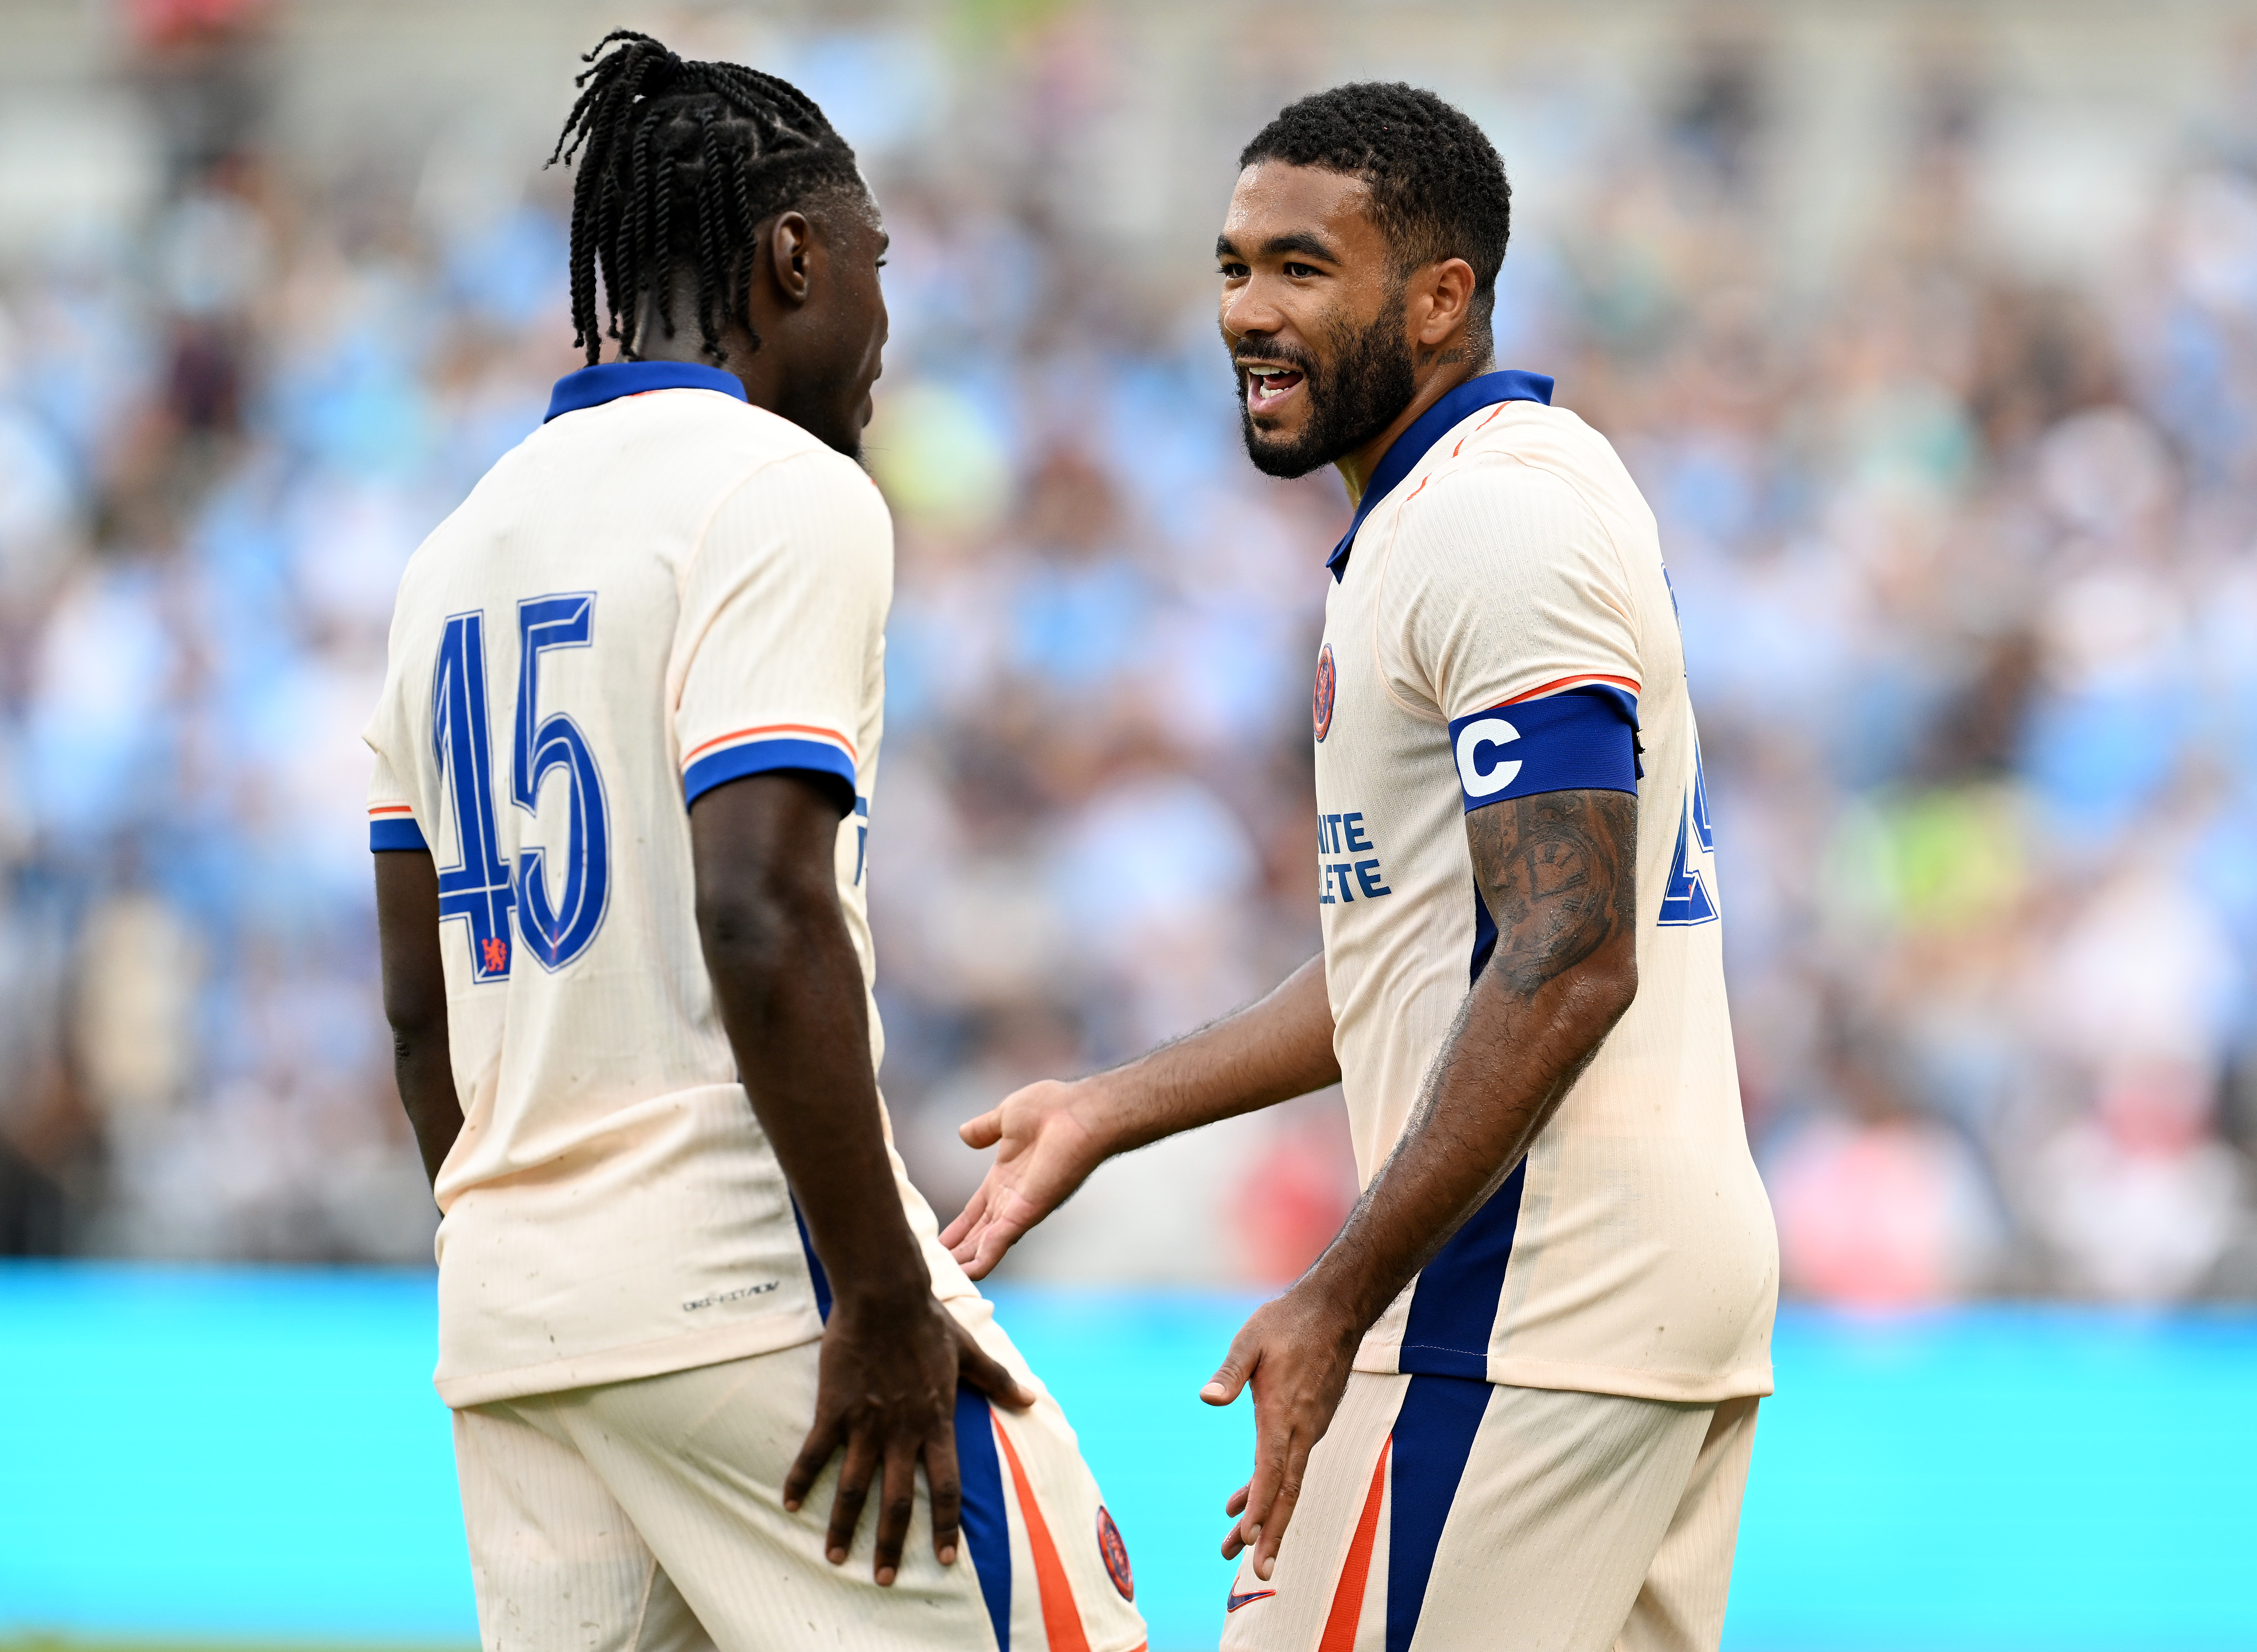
[(771, 1333), (1682, 1387)]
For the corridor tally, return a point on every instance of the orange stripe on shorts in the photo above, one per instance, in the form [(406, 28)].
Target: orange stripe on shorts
[(1061, 1618), (1348, 1598)]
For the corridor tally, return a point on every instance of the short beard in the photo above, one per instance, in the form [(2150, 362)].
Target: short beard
[(1371, 381)]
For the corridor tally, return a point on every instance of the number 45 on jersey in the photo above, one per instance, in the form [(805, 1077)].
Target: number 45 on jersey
[(482, 889)]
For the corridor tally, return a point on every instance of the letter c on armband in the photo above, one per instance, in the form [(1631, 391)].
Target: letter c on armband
[(1492, 731)]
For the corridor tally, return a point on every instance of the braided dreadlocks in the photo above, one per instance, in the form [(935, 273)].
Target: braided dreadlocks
[(682, 162)]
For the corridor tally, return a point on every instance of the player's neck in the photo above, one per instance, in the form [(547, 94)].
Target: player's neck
[(684, 342), (1446, 368), (653, 344)]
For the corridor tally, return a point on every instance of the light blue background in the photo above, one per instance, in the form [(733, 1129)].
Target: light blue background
[(200, 1453)]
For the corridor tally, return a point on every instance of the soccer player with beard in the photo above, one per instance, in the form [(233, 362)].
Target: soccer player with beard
[(1511, 1405)]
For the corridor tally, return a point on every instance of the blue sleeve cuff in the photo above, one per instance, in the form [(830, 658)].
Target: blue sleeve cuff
[(398, 832), (1582, 739), (759, 757)]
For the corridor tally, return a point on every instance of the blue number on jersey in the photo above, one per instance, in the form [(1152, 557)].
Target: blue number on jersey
[(558, 934), (1685, 899), (477, 888)]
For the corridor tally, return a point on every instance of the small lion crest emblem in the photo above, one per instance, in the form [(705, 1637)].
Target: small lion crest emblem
[(1327, 681)]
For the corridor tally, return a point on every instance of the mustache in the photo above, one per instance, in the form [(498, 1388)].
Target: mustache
[(1277, 354), (1286, 356)]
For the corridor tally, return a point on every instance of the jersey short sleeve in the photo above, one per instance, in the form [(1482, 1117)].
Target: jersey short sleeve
[(783, 606), (392, 817), (1510, 613)]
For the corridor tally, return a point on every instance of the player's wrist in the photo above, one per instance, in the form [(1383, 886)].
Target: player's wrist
[(883, 1286), (889, 1302), (1105, 1106), (1338, 1302)]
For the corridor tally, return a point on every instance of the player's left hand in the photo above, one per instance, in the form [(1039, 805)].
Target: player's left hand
[(1296, 1352), (886, 1396)]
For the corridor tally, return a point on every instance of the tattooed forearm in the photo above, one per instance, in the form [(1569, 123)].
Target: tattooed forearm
[(1558, 874)]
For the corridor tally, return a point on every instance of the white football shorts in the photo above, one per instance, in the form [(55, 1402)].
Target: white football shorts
[(647, 1516), (1445, 1512)]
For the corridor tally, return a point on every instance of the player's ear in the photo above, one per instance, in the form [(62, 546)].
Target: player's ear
[(1449, 293), (787, 248)]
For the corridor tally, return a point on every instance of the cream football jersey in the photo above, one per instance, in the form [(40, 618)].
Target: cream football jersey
[(1500, 626), (661, 590)]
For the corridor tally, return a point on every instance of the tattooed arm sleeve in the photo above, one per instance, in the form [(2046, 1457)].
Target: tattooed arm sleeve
[(1558, 874)]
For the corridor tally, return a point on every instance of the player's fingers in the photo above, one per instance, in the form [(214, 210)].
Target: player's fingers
[(993, 1243), (966, 1219), (940, 1475), (853, 1490), (896, 1504), (1280, 1516), (815, 1452), (1237, 1504), (990, 1375), (1236, 1369), (1271, 1446), (983, 1131)]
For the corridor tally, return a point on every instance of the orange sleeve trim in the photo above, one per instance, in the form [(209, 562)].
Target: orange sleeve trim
[(1061, 1627), (393, 808), (776, 728), (1340, 1624), (1588, 676)]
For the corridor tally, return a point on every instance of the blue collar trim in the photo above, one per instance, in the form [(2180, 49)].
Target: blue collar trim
[(1430, 427), (593, 386)]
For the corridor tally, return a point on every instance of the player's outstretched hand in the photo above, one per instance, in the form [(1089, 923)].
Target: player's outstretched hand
[(886, 1393), (1046, 1145), (1296, 1353)]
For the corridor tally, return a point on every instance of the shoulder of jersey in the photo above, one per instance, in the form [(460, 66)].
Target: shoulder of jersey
[(1525, 430), (1553, 441), (717, 417), (724, 430), (772, 435)]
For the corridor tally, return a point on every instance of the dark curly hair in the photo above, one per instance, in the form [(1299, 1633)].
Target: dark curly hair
[(1437, 188), (682, 161)]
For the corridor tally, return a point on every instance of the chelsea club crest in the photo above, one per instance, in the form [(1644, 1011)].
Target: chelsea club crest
[(1116, 1554)]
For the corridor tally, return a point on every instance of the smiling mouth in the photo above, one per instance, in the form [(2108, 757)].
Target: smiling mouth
[(1268, 387)]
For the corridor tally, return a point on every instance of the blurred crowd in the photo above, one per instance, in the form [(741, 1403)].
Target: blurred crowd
[(1967, 558)]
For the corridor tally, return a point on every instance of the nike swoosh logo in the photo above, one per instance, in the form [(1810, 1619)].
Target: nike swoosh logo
[(1234, 1602)]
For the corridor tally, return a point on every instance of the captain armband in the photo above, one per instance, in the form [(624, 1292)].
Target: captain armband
[(1582, 738)]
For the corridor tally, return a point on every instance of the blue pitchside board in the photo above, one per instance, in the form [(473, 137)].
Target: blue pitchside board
[(199, 1453)]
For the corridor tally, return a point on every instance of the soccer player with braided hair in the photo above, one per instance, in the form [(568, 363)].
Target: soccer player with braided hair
[(1511, 1405), (693, 1318)]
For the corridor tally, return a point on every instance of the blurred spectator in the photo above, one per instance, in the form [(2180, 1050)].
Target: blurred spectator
[(1879, 1206)]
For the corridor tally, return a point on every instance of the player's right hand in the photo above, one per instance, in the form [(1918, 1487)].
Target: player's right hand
[(886, 1392), (1045, 1148)]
